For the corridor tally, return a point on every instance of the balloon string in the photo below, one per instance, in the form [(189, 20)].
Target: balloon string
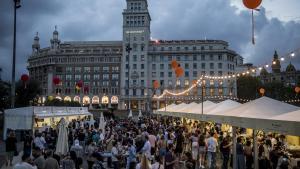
[(253, 38)]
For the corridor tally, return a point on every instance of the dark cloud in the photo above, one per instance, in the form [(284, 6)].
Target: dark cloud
[(171, 19)]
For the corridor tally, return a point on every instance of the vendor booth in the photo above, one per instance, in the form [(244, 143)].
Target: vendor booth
[(32, 118)]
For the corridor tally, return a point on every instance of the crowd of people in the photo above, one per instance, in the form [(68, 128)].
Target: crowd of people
[(150, 142)]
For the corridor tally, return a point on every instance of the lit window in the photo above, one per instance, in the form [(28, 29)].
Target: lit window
[(186, 82)]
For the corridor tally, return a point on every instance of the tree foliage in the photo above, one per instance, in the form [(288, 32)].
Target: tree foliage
[(4, 95), (61, 103), (247, 87), (27, 94)]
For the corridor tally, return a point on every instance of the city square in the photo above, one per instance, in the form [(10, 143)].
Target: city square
[(146, 84)]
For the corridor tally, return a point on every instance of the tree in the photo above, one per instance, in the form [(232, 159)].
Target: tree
[(27, 95), (247, 87), (4, 95)]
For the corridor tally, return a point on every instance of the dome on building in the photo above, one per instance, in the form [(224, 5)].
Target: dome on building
[(290, 68)]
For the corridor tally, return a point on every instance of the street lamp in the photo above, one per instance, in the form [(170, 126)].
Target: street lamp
[(128, 49), (17, 4)]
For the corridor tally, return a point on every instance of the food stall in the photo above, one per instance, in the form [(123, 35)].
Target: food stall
[(39, 118)]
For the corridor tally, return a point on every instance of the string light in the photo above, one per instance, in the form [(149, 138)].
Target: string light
[(198, 82)]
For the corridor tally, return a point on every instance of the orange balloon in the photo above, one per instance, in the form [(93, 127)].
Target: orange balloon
[(179, 71), (155, 84), (297, 89), (252, 4), (174, 64), (194, 82)]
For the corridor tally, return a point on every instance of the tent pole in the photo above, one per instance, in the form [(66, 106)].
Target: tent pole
[(234, 147), (255, 149)]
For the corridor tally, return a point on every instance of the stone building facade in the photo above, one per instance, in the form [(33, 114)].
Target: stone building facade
[(126, 69)]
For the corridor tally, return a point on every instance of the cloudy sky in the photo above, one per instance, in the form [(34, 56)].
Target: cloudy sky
[(277, 25)]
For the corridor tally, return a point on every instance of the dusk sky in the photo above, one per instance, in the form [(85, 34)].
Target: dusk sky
[(277, 25)]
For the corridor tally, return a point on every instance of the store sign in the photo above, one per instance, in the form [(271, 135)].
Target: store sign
[(114, 100)]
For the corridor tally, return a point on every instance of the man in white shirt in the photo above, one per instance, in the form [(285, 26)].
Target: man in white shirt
[(147, 147), (212, 144), (77, 148), (24, 163), (115, 155), (39, 141)]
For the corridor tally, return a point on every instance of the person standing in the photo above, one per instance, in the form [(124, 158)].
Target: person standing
[(10, 147), (202, 151), (147, 147), (212, 144), (50, 162), (27, 143), (248, 154), (225, 150), (25, 163), (131, 160), (39, 159), (115, 155), (170, 158), (179, 144), (240, 158)]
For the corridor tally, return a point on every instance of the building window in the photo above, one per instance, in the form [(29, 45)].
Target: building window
[(170, 83), (115, 68), (203, 73), (142, 74), (162, 48), (86, 77), (211, 57), (186, 48), (77, 69), (210, 47), (211, 82), (169, 74), (87, 69), (142, 83), (96, 69), (142, 47), (115, 76), (77, 77), (220, 91), (211, 73), (178, 48), (194, 65), (203, 65), (142, 66), (211, 65), (162, 74), (153, 66), (162, 83), (134, 66), (105, 76), (220, 73), (178, 82), (178, 58), (161, 58), (169, 58), (211, 91), (161, 66), (170, 48), (194, 73), (220, 65), (96, 77), (186, 74), (142, 58), (220, 57), (68, 77), (194, 48), (105, 68), (169, 66), (202, 57), (186, 82), (153, 74), (186, 66), (194, 58), (68, 69), (134, 58)]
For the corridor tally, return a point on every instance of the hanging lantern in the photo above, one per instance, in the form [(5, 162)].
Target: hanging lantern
[(155, 84), (297, 89), (79, 84), (174, 64), (252, 4), (56, 80), (262, 91), (24, 79), (179, 72)]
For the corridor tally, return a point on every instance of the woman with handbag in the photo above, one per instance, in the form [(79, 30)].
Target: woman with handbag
[(11, 148)]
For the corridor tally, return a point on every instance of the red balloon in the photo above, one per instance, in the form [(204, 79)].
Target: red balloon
[(80, 84), (24, 78), (252, 4), (174, 64), (56, 80)]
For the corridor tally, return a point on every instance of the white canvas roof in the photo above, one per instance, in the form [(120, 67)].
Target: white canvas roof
[(224, 106), (207, 105)]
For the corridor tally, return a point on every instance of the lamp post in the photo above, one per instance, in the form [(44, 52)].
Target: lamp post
[(128, 49), (13, 75)]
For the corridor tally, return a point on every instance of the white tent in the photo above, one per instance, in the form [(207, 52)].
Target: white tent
[(167, 108), (140, 114), (23, 118), (246, 115), (130, 114)]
